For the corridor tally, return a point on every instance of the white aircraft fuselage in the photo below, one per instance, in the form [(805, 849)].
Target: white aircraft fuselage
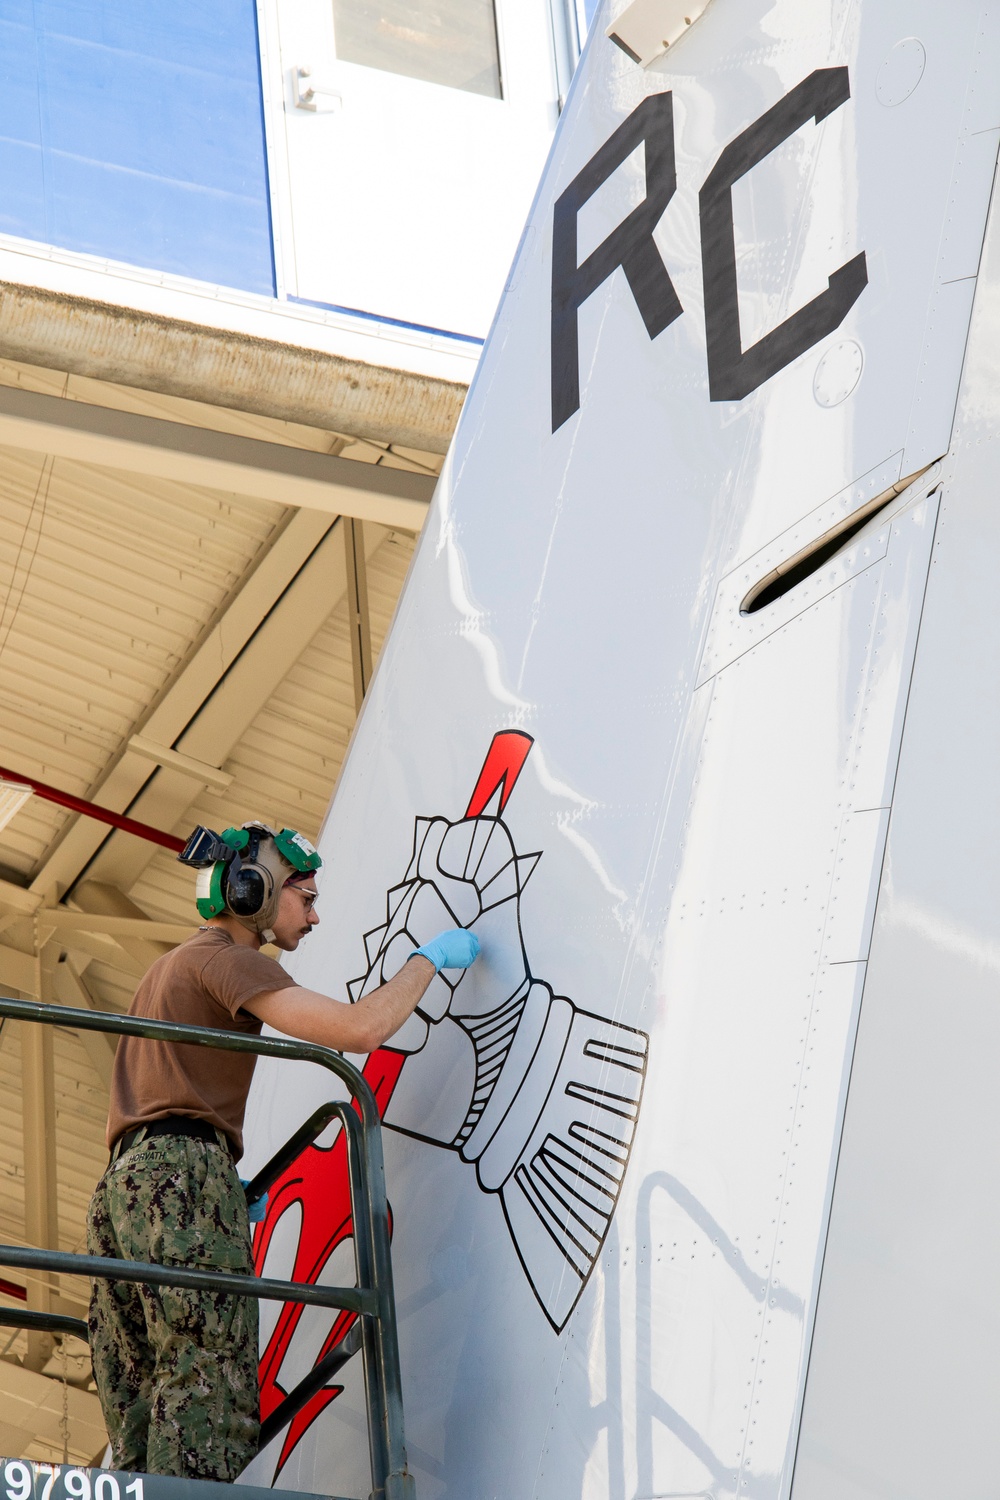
[(689, 711)]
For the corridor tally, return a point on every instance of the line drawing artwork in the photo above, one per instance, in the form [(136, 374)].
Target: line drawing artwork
[(542, 1098)]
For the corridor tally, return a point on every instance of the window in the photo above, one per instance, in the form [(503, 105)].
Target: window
[(453, 42)]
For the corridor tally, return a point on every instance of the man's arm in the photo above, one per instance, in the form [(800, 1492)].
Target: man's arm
[(313, 1017)]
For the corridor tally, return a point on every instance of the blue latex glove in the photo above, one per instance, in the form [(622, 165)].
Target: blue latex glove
[(255, 1211), (455, 949)]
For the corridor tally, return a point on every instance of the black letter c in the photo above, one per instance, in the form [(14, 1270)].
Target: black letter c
[(732, 371)]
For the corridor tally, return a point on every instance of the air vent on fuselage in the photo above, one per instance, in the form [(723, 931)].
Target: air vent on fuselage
[(788, 575)]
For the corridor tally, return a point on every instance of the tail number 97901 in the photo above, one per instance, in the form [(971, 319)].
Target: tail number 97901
[(23, 1480)]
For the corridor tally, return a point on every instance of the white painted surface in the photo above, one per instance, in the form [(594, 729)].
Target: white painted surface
[(903, 1381), (709, 791)]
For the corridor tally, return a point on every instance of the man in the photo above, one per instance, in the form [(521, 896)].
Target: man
[(176, 1371)]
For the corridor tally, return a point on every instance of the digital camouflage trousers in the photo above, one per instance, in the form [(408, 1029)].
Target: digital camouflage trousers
[(176, 1370)]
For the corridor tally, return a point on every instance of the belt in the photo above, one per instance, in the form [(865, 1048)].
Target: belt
[(200, 1130)]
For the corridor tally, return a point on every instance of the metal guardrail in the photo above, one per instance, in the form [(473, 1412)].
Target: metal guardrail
[(372, 1298), (42, 1322)]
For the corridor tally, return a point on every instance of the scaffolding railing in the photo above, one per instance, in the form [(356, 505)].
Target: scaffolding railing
[(372, 1299)]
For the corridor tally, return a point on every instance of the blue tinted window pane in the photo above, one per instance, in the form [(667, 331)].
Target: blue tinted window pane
[(132, 129)]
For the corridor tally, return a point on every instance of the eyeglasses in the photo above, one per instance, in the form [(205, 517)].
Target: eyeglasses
[(308, 897)]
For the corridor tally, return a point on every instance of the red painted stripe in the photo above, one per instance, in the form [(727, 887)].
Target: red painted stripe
[(501, 768), (91, 810)]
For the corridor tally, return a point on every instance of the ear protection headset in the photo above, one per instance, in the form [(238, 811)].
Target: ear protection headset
[(243, 871)]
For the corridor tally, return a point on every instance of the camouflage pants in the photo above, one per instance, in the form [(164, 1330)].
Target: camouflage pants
[(176, 1370)]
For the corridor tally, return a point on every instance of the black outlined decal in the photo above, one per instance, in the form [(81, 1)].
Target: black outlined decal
[(538, 1095), (733, 372), (630, 246)]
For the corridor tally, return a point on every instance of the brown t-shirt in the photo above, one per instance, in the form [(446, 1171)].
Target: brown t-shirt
[(202, 983)]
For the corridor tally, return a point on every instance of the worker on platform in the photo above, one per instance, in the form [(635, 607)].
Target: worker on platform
[(176, 1370)]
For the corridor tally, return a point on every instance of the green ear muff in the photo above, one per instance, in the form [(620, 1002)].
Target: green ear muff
[(211, 902), (298, 851)]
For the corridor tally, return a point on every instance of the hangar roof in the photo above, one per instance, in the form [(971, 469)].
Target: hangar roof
[(180, 653)]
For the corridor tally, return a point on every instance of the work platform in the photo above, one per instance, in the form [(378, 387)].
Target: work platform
[(372, 1333)]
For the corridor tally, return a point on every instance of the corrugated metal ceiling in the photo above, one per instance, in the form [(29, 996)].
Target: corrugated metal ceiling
[(108, 584)]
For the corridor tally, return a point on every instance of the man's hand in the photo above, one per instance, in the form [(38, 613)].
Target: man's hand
[(312, 1017), (455, 949)]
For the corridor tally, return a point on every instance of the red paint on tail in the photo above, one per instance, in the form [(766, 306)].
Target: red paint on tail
[(501, 768), (318, 1180)]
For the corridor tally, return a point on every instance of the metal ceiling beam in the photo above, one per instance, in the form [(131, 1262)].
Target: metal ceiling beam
[(142, 940), (230, 710), (69, 988), (66, 924), (233, 365), (15, 898), (17, 970), (215, 460), (182, 698), (208, 776), (358, 613)]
